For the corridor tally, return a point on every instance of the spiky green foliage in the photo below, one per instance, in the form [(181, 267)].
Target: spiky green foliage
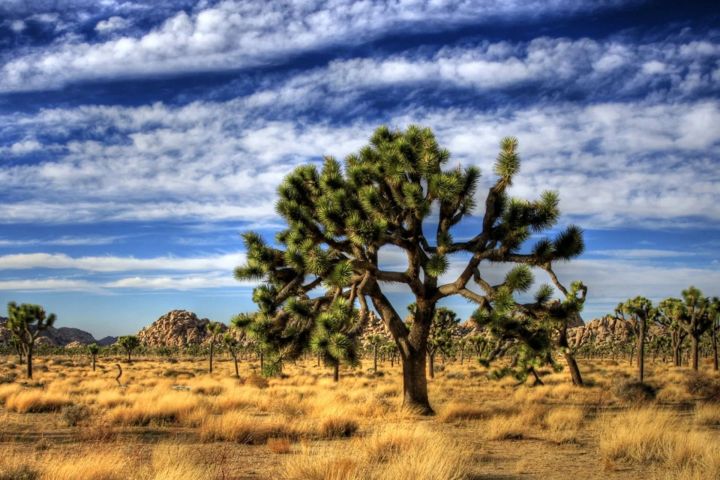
[(129, 343), (25, 323), (396, 192), (336, 335)]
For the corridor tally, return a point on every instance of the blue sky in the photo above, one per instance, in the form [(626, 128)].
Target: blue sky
[(139, 138)]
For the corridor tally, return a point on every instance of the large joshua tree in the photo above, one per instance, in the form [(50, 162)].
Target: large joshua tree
[(25, 323), (394, 194)]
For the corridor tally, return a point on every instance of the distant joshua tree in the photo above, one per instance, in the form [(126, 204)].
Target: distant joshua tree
[(670, 314), (93, 350), (129, 343), (638, 312), (214, 331), (25, 323), (695, 320), (375, 341)]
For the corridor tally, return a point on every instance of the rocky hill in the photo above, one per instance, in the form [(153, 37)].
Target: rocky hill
[(177, 328), (607, 330)]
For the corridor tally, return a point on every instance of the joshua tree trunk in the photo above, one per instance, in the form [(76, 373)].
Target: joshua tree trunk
[(237, 371), (713, 339), (538, 380), (128, 356), (431, 364), (415, 394), (462, 355), (641, 353), (262, 361), (29, 360), (570, 359), (375, 355), (574, 370), (695, 352), (212, 351), (93, 362), (336, 371)]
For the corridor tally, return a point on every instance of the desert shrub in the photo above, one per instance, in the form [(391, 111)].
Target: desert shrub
[(652, 436), (635, 392), (173, 373), (389, 455), (278, 445), (74, 414), (458, 411), (19, 472), (455, 375), (703, 386), (36, 401), (338, 426), (707, 414), (8, 378), (257, 381)]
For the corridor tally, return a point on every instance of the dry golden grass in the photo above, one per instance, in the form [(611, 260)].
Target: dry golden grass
[(654, 436), (305, 426), (388, 455), (707, 414), (36, 401)]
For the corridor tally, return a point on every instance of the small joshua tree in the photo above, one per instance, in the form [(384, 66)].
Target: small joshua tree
[(695, 320), (670, 315), (638, 312), (374, 342), (714, 314), (25, 323), (214, 331), (129, 343), (93, 350)]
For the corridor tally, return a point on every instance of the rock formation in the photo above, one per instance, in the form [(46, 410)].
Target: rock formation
[(177, 328)]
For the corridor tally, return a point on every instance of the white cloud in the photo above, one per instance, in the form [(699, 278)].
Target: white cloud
[(112, 24), (235, 34), (26, 261), (61, 241), (643, 253), (612, 163)]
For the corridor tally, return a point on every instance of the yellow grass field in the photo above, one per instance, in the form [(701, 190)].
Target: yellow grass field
[(176, 421)]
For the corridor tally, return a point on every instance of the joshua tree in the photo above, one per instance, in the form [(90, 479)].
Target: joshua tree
[(25, 323), (638, 312), (335, 337), (129, 343), (695, 320), (714, 314), (93, 350), (375, 341), (670, 315), (214, 331), (393, 193)]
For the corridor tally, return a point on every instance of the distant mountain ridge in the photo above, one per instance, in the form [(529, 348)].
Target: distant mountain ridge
[(57, 337)]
